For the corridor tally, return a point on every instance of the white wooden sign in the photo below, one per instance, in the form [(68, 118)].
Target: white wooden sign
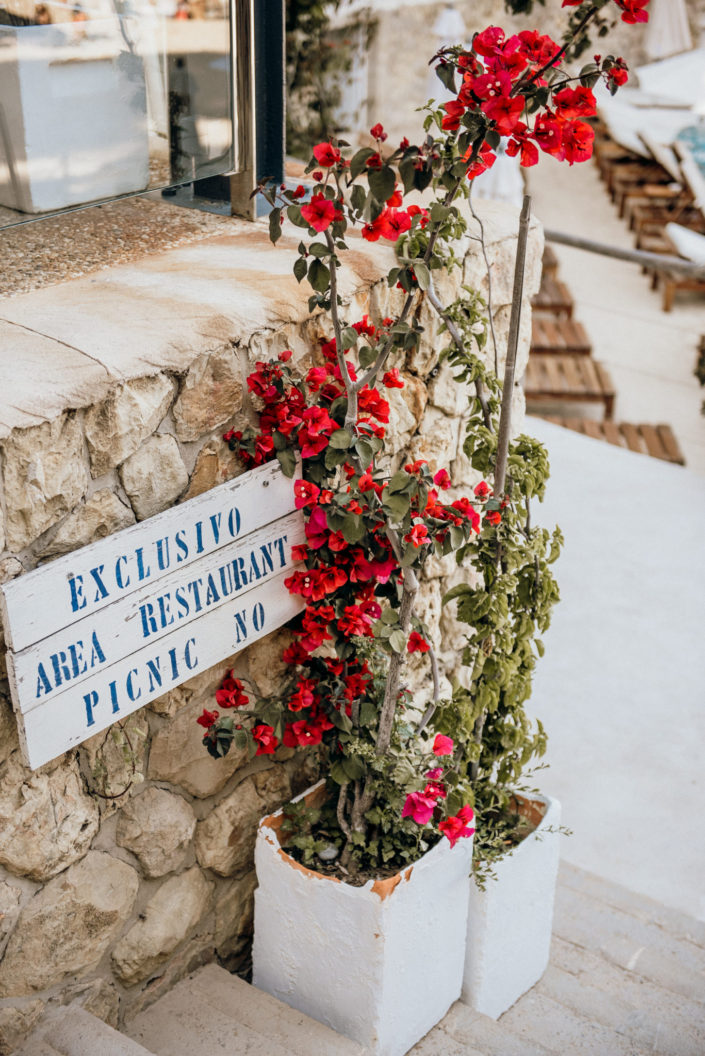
[(101, 632)]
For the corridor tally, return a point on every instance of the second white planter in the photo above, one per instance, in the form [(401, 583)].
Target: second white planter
[(381, 964), (510, 922)]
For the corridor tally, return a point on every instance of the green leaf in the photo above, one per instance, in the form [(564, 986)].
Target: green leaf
[(407, 171), (457, 592), (358, 198), (396, 506), (349, 337), (300, 269), (354, 767), (354, 529), (318, 276), (445, 73), (400, 482), (275, 226), (359, 160), (397, 640), (381, 182), (318, 249), (390, 616), (341, 440), (287, 460), (294, 214), (423, 275)]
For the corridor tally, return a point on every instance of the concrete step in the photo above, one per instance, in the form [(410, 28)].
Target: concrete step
[(212, 1012), (71, 1031)]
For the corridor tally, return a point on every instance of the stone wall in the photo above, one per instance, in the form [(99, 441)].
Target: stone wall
[(129, 861)]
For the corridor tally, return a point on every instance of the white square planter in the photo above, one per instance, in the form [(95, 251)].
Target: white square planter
[(381, 964), (509, 923)]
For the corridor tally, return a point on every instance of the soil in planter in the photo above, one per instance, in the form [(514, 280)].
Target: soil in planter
[(307, 833), (500, 831)]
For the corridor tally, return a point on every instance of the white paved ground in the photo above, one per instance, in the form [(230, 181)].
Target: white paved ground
[(621, 689), (650, 354)]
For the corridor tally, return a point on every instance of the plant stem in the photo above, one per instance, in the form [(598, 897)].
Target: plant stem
[(559, 54), (505, 420), (458, 339)]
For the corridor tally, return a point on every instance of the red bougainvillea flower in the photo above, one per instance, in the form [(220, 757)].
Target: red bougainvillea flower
[(481, 164), (443, 745), (316, 528), (207, 718), (320, 212), (482, 490), (633, 11), (393, 223), (619, 74), (493, 517), (548, 135), (457, 827), (442, 480), (230, 694), (266, 741), (417, 643), (577, 141), (505, 111), (417, 536), (575, 102), (305, 494), (302, 734), (377, 132), (489, 42), (435, 773), (326, 155), (420, 807), (304, 697), (436, 789), (392, 380), (522, 145), (372, 231)]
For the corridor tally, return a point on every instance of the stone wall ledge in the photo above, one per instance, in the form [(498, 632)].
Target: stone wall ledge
[(68, 346)]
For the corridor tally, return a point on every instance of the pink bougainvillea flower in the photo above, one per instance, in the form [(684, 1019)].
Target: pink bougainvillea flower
[(456, 828), (420, 807), (326, 155), (436, 789), (435, 772), (417, 644), (443, 745), (417, 536), (442, 480), (320, 212)]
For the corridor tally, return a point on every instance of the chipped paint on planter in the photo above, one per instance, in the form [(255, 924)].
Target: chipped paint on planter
[(381, 964), (509, 923)]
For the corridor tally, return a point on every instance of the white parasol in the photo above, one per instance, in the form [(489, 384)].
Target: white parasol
[(668, 32)]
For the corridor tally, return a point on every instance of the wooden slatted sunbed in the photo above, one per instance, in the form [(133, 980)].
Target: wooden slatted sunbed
[(556, 378), (656, 440), (551, 335), (553, 296)]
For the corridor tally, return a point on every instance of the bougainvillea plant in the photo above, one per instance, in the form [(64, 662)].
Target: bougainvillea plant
[(403, 778)]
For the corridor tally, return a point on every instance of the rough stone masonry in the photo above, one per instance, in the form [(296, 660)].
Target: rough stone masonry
[(129, 861)]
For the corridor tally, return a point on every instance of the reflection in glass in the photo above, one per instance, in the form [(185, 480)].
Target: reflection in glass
[(101, 98)]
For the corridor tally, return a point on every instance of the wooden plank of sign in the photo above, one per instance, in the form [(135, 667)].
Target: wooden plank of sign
[(71, 717), (75, 654), (55, 595)]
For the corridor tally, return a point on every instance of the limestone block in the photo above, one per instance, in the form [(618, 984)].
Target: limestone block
[(16, 1023), (101, 515), (116, 427), (8, 728), (414, 395), (177, 755), (204, 684), (154, 476), (99, 997), (215, 464), (436, 441), (114, 760), (234, 913), (157, 827), (211, 394), (267, 669), (2, 531), (447, 394), (46, 819), (45, 477), (225, 840), (168, 919), (9, 910), (69, 924), (273, 786)]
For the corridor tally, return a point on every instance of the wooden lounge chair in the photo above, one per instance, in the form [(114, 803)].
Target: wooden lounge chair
[(568, 379), (551, 335), (656, 440), (689, 245), (553, 296), (550, 262)]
